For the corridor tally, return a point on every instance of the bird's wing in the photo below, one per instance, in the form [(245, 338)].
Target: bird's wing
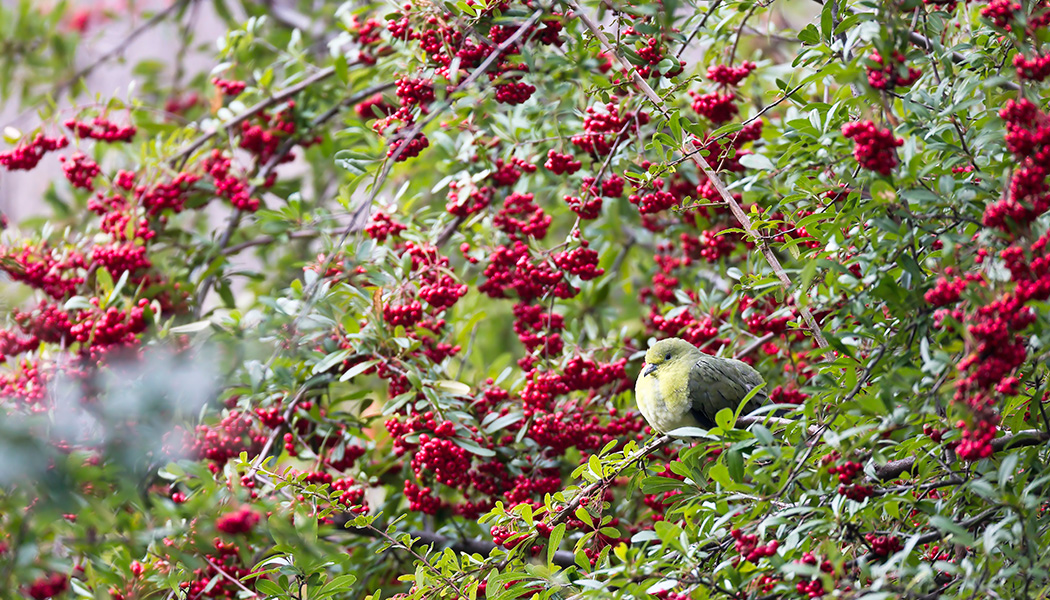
[(715, 384), (751, 379)]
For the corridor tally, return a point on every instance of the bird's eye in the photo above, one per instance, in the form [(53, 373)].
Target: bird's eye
[(667, 356)]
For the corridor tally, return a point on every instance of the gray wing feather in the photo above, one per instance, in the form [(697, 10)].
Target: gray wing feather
[(717, 383)]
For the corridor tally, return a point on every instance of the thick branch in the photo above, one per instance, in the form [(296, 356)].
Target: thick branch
[(1028, 437)]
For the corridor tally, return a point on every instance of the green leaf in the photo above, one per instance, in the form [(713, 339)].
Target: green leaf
[(582, 514), (725, 419), (472, 447), (331, 360), (555, 541), (191, 327), (958, 533), (104, 281), (757, 161), (501, 422), (357, 369), (735, 464), (269, 588)]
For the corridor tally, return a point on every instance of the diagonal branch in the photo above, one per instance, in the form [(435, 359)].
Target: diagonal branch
[(702, 163), (116, 50), (1028, 437), (181, 156), (309, 293)]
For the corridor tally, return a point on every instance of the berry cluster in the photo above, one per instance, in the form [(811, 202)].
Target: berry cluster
[(229, 87), (101, 129), (382, 226), (1033, 69), (715, 107), (890, 74), (374, 107), (883, 545), (58, 274), (653, 202), (1027, 137), (784, 395), (226, 439), (949, 288), (227, 185), (1002, 12), (225, 576), (726, 75), (875, 148), (240, 521), (465, 200), (27, 156), (581, 262), (405, 315), (80, 170), (421, 499), (415, 92), (585, 209), (560, 164), (814, 588), (48, 586), (652, 52), (604, 127), (537, 328), (750, 550), (443, 458), (264, 134), (847, 472)]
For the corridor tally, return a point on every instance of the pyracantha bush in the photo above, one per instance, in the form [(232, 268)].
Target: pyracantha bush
[(360, 309)]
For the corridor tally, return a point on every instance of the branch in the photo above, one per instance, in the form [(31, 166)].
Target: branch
[(933, 536), (260, 106), (562, 558), (1028, 437), (263, 240), (702, 163), (589, 490), (121, 46), (309, 292)]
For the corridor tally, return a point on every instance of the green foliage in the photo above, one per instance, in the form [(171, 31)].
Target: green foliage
[(395, 376)]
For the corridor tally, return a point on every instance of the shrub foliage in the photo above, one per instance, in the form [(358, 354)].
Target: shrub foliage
[(357, 312)]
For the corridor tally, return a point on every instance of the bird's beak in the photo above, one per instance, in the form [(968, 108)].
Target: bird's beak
[(648, 370)]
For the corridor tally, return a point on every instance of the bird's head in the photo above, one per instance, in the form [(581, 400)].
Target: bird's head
[(665, 353)]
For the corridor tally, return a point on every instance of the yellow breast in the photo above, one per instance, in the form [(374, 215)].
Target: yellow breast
[(663, 404)]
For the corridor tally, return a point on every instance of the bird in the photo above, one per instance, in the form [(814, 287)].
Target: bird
[(681, 386)]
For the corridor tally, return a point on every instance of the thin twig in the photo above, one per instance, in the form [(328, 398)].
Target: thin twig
[(233, 579), (702, 163), (309, 294), (699, 26), (66, 85), (260, 106)]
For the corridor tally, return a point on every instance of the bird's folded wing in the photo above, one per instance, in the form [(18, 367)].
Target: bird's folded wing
[(718, 384)]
